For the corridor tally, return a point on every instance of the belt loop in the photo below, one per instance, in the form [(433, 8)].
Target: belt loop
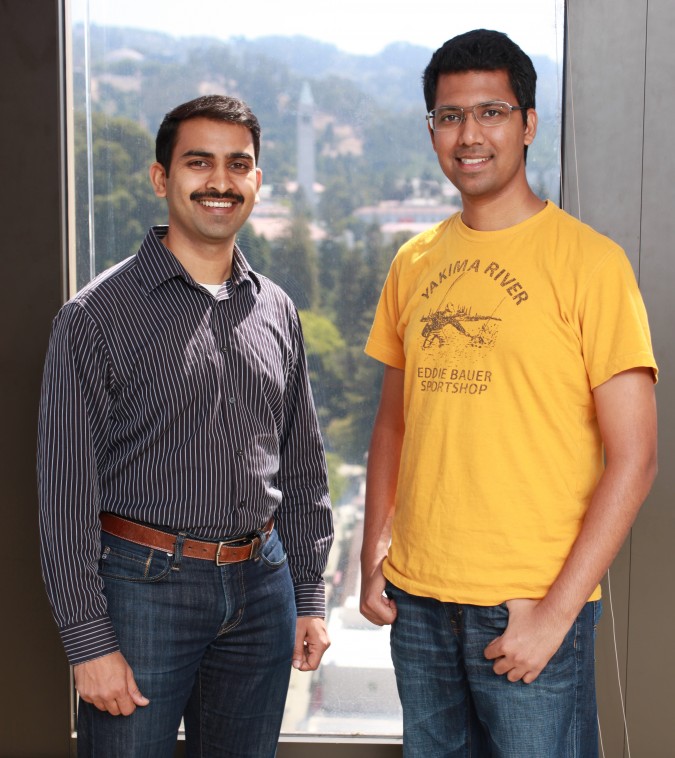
[(178, 551), (261, 535)]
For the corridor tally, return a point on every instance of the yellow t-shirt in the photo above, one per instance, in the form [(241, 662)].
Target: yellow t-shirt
[(502, 336)]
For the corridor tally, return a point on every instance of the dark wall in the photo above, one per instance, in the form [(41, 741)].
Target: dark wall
[(34, 712)]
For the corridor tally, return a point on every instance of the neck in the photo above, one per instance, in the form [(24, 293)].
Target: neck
[(495, 213), (206, 263)]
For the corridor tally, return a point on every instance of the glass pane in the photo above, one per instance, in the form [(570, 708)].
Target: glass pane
[(349, 174)]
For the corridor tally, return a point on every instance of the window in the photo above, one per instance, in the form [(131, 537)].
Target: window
[(349, 175)]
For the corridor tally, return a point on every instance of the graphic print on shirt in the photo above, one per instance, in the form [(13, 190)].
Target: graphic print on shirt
[(461, 324), (449, 314)]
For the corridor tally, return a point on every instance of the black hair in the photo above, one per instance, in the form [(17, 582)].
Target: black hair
[(215, 107), (482, 50)]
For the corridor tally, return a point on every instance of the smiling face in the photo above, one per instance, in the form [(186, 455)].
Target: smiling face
[(483, 162), (211, 186)]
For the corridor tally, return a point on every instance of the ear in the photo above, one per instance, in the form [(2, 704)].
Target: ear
[(530, 130), (158, 179), (258, 184)]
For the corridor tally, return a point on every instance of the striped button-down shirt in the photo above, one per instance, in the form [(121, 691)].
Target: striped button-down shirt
[(167, 405)]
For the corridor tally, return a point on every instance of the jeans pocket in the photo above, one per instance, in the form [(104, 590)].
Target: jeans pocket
[(491, 620), (273, 554), (121, 559)]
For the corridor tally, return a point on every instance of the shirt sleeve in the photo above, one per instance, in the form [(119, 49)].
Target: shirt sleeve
[(72, 436), (385, 342), (304, 519), (614, 326)]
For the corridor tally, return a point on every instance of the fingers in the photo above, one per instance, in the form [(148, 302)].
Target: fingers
[(105, 705), (508, 660), (379, 610), (311, 658), (123, 704), (137, 697), (492, 650), (298, 653), (120, 705), (108, 683), (311, 642)]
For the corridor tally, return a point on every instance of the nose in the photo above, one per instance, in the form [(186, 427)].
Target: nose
[(470, 131), (219, 178)]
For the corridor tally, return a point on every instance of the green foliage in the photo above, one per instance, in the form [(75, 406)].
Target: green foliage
[(336, 481), (294, 263), (325, 358), (124, 203), (257, 250)]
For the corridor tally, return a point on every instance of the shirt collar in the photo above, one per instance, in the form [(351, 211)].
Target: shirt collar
[(158, 264), (241, 271)]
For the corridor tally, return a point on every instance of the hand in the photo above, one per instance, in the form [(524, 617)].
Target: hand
[(108, 683), (311, 642), (530, 640), (375, 605)]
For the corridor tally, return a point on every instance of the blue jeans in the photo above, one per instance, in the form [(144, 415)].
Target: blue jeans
[(212, 644), (454, 705)]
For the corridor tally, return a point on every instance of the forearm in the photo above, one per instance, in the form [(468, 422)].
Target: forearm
[(626, 415), (383, 464), (384, 456), (610, 516), (626, 412), (536, 629)]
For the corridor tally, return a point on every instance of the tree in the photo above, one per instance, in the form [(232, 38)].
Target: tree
[(294, 263), (257, 249), (325, 357), (124, 202)]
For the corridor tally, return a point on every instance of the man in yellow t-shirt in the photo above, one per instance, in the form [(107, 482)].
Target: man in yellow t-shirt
[(515, 439)]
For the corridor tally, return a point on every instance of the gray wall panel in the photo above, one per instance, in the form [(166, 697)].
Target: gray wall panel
[(600, 79), (603, 153), (621, 57), (651, 655)]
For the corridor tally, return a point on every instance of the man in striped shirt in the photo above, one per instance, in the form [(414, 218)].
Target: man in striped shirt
[(185, 516)]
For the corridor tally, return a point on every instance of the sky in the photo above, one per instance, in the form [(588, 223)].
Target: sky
[(355, 26)]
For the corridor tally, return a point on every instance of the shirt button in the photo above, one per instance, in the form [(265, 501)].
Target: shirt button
[(232, 400), (242, 503), (224, 349), (240, 452)]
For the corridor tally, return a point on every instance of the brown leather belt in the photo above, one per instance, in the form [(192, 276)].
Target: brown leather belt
[(229, 551)]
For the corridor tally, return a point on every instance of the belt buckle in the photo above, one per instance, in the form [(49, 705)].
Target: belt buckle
[(255, 545), (218, 561)]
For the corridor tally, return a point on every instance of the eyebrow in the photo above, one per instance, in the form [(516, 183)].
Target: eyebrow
[(482, 102), (207, 154)]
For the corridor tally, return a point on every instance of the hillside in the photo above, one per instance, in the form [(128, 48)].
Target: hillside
[(141, 75)]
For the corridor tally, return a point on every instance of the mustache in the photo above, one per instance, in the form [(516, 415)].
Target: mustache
[(215, 195)]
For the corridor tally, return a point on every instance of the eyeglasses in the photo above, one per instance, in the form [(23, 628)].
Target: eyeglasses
[(494, 113)]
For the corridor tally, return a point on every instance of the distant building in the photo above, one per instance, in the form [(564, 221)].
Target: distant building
[(271, 219), (305, 135), (414, 215)]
